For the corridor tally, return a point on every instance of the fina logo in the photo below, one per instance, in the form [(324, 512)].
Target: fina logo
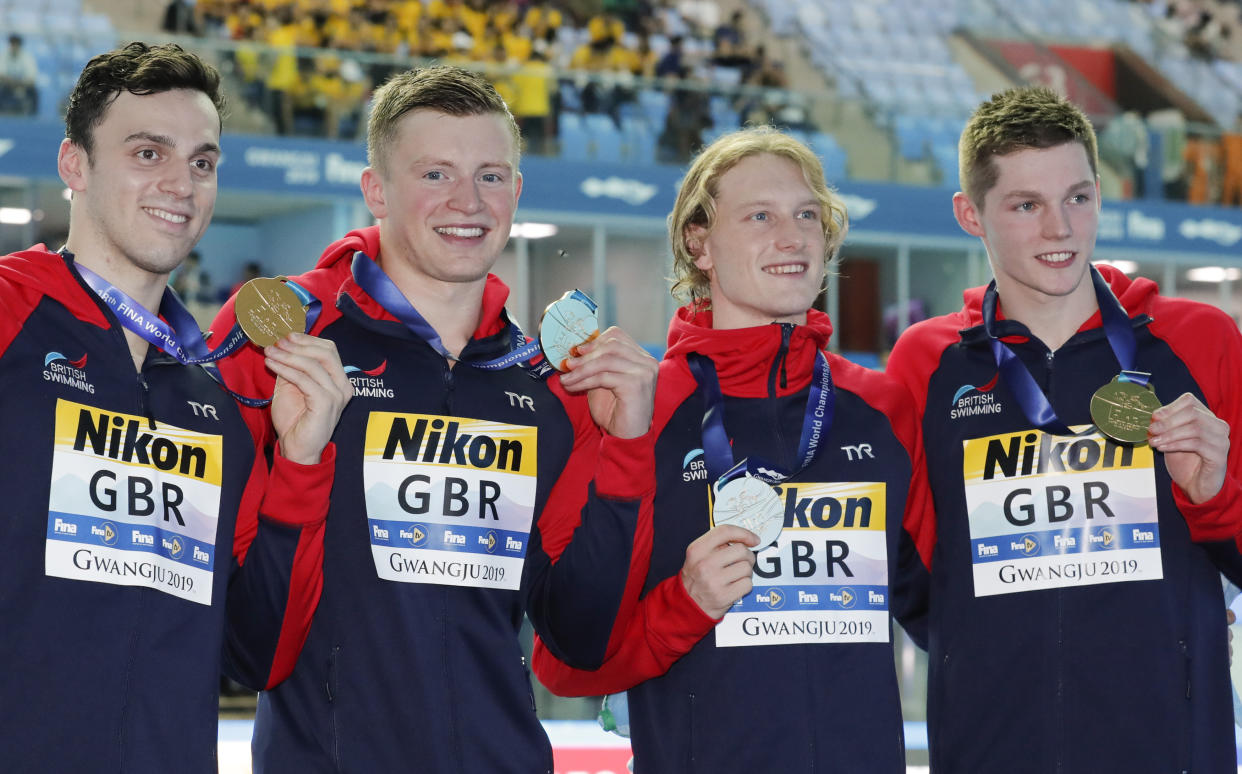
[(109, 533), (1104, 536), (775, 598), (418, 536), (491, 541), (848, 597), (633, 192), (175, 547), (1028, 545)]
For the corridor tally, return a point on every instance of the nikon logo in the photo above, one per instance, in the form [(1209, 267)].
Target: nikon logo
[(125, 440), (1037, 454), (444, 443)]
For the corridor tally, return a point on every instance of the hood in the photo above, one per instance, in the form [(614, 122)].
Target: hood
[(1135, 296), (744, 356), (48, 274)]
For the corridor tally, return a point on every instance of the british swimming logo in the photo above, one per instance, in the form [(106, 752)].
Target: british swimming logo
[(971, 400), (60, 369), (367, 382)]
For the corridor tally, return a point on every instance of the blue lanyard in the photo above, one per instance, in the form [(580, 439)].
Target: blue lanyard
[(372, 279), (180, 337), (718, 452), (1032, 400)]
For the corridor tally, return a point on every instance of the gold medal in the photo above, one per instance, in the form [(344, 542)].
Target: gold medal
[(1122, 410), (267, 311)]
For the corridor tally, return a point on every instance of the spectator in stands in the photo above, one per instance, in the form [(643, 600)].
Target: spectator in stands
[(673, 62), (534, 85), (19, 74), (1123, 145), (1231, 161), (729, 41), (1202, 160), (179, 18), (689, 114)]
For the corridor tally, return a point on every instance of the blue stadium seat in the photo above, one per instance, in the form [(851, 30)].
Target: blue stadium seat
[(574, 140), (604, 136)]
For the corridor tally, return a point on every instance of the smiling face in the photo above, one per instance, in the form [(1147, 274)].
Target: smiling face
[(144, 195), (1039, 225), (446, 200), (765, 254)]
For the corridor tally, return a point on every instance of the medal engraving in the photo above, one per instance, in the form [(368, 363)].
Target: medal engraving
[(751, 504), (268, 311), (1122, 410), (566, 323)]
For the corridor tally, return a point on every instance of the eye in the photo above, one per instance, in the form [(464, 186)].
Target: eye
[(809, 215), (1025, 207), (148, 154), (492, 177), (434, 174), (204, 165), (1080, 198), (759, 216)]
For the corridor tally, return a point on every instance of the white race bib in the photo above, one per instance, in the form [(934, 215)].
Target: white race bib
[(1051, 511), (132, 506), (826, 579), (449, 500)]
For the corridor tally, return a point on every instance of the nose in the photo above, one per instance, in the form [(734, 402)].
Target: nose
[(177, 180), (1056, 223), (465, 197), (790, 237)]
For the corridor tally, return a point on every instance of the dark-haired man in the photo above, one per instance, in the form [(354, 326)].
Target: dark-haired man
[(467, 492), (137, 509), (1075, 621)]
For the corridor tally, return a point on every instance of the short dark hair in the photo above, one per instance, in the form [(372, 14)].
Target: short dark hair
[(140, 69), (1018, 119), (446, 88)]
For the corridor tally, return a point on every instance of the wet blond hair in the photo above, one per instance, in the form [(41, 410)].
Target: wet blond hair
[(696, 200)]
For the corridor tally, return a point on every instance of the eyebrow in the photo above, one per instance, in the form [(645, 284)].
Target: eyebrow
[(425, 161), (1022, 194), (768, 203), (169, 142)]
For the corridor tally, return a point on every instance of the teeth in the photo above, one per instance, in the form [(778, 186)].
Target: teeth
[(1056, 257), (166, 215), (788, 268), (460, 232)]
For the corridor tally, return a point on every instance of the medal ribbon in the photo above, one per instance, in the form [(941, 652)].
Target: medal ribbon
[(372, 279), (1030, 397), (180, 337), (717, 452)]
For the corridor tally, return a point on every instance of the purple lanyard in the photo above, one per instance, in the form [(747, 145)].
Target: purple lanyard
[(377, 284), (718, 452), (180, 338), (1032, 400)]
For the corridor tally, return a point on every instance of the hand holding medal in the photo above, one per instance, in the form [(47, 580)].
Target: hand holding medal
[(569, 322)]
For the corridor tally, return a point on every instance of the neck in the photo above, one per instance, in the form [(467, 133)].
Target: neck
[(452, 309), (1051, 319), (142, 286)]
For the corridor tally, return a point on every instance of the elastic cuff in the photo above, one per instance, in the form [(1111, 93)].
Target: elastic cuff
[(625, 469), (298, 494), (1219, 518)]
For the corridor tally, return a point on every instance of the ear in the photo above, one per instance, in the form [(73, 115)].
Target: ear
[(73, 165), (517, 192), (967, 214), (372, 185), (695, 236)]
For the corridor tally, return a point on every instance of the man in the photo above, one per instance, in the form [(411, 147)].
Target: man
[(798, 672), (135, 503), (1075, 620), (462, 498)]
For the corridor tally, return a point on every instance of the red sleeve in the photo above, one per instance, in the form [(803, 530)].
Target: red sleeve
[(662, 628), (650, 633), (1208, 342), (278, 542)]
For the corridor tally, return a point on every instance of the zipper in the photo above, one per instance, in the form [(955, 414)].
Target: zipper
[(777, 374), (144, 402)]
